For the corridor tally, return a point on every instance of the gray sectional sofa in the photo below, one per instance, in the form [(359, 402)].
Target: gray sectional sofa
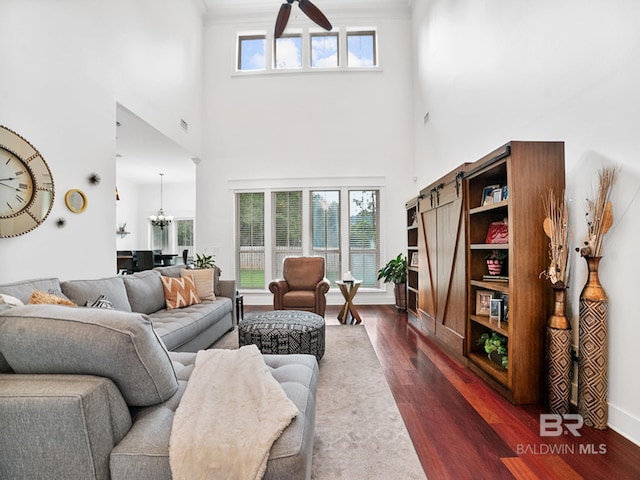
[(90, 393), (186, 329)]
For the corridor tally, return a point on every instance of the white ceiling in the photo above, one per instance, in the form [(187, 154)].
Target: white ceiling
[(144, 152)]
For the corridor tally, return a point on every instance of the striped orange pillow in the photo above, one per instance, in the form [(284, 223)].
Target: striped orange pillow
[(179, 292)]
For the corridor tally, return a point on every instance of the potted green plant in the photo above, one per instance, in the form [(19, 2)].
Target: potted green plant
[(496, 347), (204, 261), (395, 271)]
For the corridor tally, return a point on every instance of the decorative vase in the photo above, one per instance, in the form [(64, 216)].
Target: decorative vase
[(558, 357), (400, 291), (494, 266), (592, 354)]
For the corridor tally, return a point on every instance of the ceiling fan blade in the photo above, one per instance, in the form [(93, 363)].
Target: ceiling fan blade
[(315, 14), (283, 18)]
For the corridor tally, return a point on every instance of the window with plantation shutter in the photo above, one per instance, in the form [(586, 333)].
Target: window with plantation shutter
[(286, 228), (184, 234), (364, 252), (325, 230), (250, 237), (339, 223)]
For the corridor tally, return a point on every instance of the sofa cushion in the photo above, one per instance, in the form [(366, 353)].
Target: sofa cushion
[(145, 291), (182, 326), (180, 292), (22, 290), (83, 292), (121, 346)]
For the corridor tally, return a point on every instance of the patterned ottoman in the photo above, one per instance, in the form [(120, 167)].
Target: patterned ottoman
[(283, 331)]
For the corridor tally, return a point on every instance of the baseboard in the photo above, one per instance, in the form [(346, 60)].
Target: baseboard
[(624, 423)]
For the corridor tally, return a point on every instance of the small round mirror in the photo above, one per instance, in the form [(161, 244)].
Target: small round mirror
[(76, 200)]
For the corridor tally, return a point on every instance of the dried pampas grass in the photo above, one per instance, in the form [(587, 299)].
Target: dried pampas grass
[(599, 213), (556, 227)]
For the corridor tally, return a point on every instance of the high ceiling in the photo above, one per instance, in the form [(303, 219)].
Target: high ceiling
[(143, 152)]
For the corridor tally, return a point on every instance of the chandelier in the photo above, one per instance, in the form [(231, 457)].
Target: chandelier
[(160, 220)]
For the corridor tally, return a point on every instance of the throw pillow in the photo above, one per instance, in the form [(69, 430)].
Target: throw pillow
[(217, 289), (38, 297), (58, 293), (101, 302), (203, 279), (179, 292), (9, 300)]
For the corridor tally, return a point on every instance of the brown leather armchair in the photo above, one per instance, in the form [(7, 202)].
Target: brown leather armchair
[(303, 286)]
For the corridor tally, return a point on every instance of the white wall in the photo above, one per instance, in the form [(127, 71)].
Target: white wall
[(298, 128), (491, 71), (65, 65)]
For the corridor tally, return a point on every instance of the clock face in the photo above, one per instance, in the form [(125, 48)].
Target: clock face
[(26, 185), (16, 185)]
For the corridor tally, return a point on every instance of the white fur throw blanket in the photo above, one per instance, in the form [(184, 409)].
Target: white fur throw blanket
[(229, 416)]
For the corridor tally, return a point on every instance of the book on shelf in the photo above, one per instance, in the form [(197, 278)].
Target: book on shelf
[(495, 278)]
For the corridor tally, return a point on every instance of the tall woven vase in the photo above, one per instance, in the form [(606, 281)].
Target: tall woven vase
[(558, 357), (593, 350)]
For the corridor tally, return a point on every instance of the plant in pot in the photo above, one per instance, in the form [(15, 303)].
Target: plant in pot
[(396, 271), (204, 261), (495, 261), (496, 347)]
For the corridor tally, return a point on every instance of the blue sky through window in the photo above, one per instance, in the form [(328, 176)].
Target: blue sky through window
[(361, 50), (289, 52), (324, 50), (252, 55)]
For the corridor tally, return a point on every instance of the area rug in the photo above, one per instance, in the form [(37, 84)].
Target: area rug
[(359, 431)]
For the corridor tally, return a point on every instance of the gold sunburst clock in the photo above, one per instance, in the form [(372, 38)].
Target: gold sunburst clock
[(26, 185)]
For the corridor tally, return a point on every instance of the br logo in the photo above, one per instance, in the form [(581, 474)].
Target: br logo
[(553, 425)]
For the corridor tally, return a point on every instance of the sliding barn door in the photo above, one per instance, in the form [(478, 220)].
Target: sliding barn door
[(442, 282)]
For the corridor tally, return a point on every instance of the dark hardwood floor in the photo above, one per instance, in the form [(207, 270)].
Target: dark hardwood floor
[(462, 429)]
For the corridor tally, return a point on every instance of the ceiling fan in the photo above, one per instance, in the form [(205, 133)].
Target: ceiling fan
[(308, 8)]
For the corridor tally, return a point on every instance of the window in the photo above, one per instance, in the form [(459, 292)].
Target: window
[(160, 237), (325, 230), (364, 253), (288, 51), (361, 49), (173, 238), (287, 228), (340, 224), (324, 50), (184, 240), (341, 49), (250, 220), (251, 52)]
